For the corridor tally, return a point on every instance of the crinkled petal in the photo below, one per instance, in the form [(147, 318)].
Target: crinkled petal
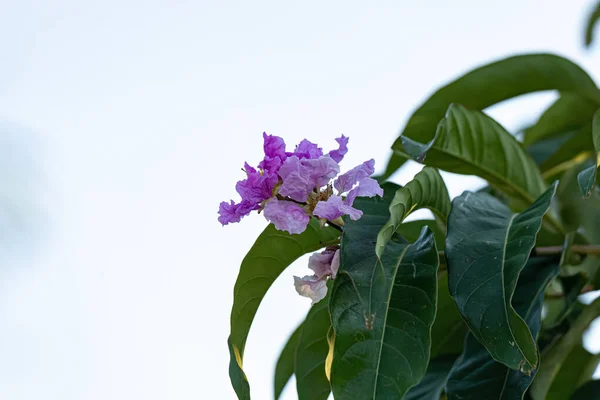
[(320, 263), (296, 180), (334, 208), (306, 149), (286, 215), (300, 177), (367, 187), (270, 164), (346, 181), (311, 287), (321, 170), (335, 264), (274, 146), (339, 154), (256, 187), (232, 212)]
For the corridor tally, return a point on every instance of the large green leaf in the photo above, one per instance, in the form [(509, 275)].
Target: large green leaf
[(570, 112), (486, 248), (577, 146), (284, 368), (432, 385), (491, 84), (272, 253), (381, 309), (471, 143), (587, 177), (311, 381), (426, 190), (412, 230), (449, 330), (476, 375), (577, 369)]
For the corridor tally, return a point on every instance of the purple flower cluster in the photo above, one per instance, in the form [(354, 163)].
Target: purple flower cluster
[(290, 187)]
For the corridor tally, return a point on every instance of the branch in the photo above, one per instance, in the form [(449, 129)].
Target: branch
[(593, 249)]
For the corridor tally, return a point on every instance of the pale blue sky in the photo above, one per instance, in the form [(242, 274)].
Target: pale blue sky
[(142, 114)]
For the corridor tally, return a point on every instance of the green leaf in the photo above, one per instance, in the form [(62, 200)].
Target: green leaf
[(587, 177), (578, 144), (449, 330), (471, 143), (272, 253), (589, 391), (476, 375), (311, 381), (570, 112), (486, 248), (555, 355), (426, 190), (502, 80), (432, 385), (591, 23), (285, 364), (412, 230), (577, 369), (381, 309)]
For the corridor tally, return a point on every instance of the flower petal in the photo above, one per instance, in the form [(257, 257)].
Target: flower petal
[(307, 149), (311, 287), (256, 187), (231, 212), (300, 177), (274, 146), (321, 170), (335, 264), (339, 154), (346, 181), (320, 263), (296, 180), (286, 215), (367, 187), (334, 208)]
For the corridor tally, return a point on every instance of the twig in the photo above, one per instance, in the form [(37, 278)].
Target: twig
[(593, 249)]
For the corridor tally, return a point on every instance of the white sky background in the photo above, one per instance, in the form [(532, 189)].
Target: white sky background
[(139, 116)]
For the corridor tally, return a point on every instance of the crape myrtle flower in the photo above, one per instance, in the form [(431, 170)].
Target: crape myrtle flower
[(290, 187), (324, 264)]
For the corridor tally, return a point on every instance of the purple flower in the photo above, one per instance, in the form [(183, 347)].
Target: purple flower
[(291, 185), (258, 186), (275, 155), (286, 215), (300, 177), (320, 263), (367, 187), (306, 149), (339, 154), (334, 207), (325, 264), (231, 212), (346, 181), (311, 287)]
